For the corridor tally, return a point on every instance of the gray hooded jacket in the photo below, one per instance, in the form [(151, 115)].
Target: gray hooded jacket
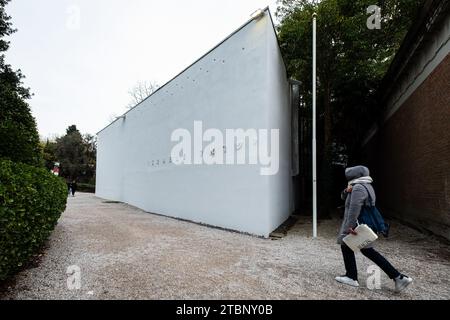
[(355, 200)]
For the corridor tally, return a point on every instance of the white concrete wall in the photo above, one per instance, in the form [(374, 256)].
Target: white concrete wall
[(240, 84)]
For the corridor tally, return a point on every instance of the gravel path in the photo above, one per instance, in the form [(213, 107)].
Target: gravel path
[(125, 253)]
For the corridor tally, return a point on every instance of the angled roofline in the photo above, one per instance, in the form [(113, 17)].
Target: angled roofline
[(265, 10)]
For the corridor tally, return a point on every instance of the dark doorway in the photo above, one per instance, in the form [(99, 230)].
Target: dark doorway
[(301, 151)]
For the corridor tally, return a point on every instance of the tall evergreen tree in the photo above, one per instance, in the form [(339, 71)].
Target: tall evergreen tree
[(351, 62), (19, 136), (76, 154)]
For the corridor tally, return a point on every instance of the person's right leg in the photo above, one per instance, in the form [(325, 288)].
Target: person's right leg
[(351, 275)]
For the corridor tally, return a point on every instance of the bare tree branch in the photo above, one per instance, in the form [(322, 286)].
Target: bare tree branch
[(140, 92)]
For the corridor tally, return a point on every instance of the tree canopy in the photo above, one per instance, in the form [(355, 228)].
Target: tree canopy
[(351, 62), (351, 58), (76, 154), (19, 137)]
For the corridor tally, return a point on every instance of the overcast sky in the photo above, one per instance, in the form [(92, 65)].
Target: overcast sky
[(81, 57)]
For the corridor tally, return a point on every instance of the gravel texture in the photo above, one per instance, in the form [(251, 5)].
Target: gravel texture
[(125, 253)]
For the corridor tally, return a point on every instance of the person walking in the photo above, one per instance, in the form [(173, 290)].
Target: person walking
[(359, 193), (73, 187)]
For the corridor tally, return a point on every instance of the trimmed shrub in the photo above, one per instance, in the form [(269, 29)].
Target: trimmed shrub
[(31, 202)]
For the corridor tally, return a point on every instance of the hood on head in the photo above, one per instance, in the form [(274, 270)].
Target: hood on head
[(356, 172)]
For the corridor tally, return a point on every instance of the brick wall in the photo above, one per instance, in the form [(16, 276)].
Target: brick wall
[(410, 156)]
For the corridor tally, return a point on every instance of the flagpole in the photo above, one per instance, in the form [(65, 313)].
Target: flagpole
[(314, 158)]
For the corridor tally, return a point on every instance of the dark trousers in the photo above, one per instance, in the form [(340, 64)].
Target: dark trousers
[(372, 254)]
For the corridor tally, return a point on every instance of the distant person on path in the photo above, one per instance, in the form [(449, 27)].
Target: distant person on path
[(73, 187), (69, 188), (356, 196)]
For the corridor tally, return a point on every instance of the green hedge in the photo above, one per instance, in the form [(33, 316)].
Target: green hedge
[(31, 202), (86, 187)]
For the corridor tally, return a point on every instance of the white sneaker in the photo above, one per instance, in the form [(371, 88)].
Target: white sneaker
[(348, 281), (401, 282)]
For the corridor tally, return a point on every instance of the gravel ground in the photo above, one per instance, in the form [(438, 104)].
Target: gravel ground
[(125, 253)]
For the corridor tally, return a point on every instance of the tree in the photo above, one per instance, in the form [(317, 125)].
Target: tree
[(72, 129), (351, 62), (5, 26), (90, 149), (69, 152), (140, 92), (49, 153), (77, 155), (19, 137)]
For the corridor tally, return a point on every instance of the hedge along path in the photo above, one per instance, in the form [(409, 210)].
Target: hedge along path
[(31, 202)]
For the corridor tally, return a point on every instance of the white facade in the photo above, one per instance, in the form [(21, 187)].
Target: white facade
[(241, 83)]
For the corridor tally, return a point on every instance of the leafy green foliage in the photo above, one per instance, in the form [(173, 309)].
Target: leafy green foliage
[(351, 63), (31, 202), (77, 155), (49, 154), (19, 137), (86, 187), (31, 199), (5, 26), (351, 59)]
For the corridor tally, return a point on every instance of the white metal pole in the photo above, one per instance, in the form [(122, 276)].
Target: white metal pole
[(314, 164)]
